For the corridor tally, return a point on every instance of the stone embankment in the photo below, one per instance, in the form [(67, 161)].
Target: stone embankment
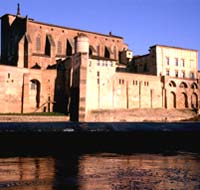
[(132, 115), (32, 118), (142, 115)]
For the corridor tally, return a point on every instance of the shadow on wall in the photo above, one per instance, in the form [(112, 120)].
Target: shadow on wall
[(11, 42), (61, 94)]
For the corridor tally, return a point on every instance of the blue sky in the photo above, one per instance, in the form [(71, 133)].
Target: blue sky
[(142, 23)]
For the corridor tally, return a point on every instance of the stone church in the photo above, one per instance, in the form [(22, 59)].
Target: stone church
[(90, 76)]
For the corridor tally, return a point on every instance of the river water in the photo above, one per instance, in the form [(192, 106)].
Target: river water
[(101, 171)]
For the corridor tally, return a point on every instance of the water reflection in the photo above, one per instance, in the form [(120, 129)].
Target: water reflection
[(102, 171), (26, 173)]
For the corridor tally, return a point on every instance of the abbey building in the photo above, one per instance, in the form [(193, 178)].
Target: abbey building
[(87, 75)]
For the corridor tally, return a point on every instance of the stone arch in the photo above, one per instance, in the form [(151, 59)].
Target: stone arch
[(183, 85), (194, 101), (35, 92), (194, 85), (172, 83), (172, 100), (183, 101)]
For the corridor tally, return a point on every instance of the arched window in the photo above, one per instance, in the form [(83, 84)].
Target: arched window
[(106, 53), (59, 47), (184, 100), (172, 84), (35, 92), (68, 49), (38, 43), (172, 100), (183, 85), (194, 101), (194, 86)]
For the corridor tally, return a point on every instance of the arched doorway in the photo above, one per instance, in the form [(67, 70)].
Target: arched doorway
[(194, 101), (35, 93), (172, 100), (183, 100)]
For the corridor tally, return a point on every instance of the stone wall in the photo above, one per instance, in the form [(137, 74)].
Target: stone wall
[(26, 90)]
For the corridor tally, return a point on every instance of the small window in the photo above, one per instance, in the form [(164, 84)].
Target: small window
[(176, 73), (8, 75), (183, 62), (98, 73), (191, 75), (176, 62), (167, 72), (183, 74), (167, 60)]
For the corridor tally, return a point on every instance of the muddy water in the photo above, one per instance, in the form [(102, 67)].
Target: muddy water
[(102, 171)]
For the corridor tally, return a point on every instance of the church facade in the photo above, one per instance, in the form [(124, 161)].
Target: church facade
[(46, 68)]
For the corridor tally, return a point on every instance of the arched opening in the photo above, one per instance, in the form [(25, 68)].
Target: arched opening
[(183, 85), (35, 92), (194, 86), (69, 49), (172, 84), (91, 50), (47, 47), (194, 101), (106, 53), (183, 100), (172, 100)]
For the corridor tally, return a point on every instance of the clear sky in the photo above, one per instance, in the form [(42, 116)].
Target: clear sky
[(142, 23)]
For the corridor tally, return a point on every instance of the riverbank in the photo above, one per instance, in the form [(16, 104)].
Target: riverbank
[(34, 118)]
